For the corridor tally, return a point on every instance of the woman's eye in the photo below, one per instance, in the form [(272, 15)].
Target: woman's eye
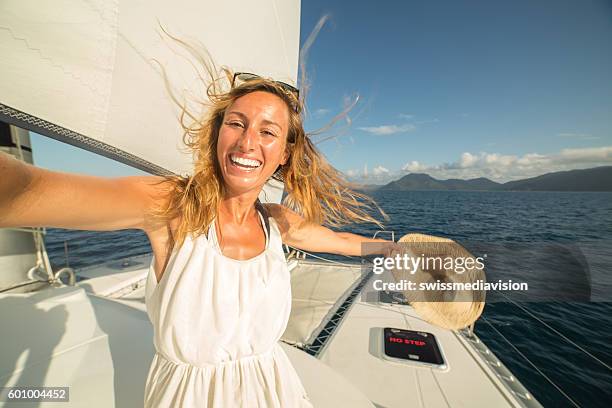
[(267, 132), (234, 124)]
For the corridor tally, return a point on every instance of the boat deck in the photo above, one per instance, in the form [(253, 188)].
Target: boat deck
[(352, 346), (96, 338)]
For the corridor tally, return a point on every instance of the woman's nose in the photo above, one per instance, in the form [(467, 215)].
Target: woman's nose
[(248, 139)]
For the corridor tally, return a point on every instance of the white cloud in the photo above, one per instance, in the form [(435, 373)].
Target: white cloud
[(586, 155), (405, 116), (503, 167), (467, 160), (496, 166), (495, 159), (379, 170), (321, 112), (378, 175), (388, 129), (414, 167)]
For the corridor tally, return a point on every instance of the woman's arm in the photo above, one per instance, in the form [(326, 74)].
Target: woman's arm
[(36, 197), (317, 238)]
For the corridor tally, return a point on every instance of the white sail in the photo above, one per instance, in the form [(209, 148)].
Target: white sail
[(82, 71)]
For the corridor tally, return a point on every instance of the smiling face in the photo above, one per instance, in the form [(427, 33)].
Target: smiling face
[(252, 140)]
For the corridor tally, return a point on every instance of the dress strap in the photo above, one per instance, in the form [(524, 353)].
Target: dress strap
[(264, 212)]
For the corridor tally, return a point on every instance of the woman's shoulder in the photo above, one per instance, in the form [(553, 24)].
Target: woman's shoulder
[(285, 218), (276, 211)]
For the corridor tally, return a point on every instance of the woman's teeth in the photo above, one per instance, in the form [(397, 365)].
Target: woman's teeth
[(245, 163)]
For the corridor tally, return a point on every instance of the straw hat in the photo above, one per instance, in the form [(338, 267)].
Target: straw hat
[(447, 309)]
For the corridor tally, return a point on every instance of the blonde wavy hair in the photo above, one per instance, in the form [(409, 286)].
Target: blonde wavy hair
[(315, 189)]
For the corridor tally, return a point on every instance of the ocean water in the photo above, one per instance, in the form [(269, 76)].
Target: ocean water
[(558, 348)]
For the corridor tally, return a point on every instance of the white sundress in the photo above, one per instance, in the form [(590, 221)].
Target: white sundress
[(217, 322)]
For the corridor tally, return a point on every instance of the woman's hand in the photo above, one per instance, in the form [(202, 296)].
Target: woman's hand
[(391, 249)]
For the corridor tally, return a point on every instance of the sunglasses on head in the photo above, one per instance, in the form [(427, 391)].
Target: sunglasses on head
[(247, 76)]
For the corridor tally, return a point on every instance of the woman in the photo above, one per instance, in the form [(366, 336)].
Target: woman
[(218, 292)]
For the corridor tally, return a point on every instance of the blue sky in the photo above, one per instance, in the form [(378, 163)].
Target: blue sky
[(502, 89)]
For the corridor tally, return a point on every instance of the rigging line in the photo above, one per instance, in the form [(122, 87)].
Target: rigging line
[(327, 260), (345, 256), (530, 362), (557, 332)]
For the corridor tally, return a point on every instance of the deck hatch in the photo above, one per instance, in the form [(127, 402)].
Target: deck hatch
[(412, 345)]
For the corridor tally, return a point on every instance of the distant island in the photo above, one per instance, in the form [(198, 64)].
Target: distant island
[(595, 179)]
